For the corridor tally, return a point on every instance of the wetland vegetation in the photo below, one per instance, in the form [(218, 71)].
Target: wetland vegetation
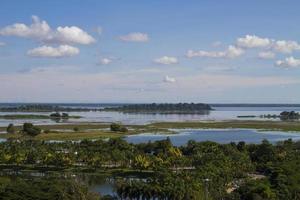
[(80, 131)]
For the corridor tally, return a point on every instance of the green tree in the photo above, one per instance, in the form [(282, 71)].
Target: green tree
[(10, 129), (30, 129)]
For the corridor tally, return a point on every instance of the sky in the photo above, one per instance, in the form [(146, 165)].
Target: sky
[(141, 51)]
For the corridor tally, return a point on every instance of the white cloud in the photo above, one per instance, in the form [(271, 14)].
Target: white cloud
[(53, 52), (2, 44), (231, 52), (252, 41), (288, 62), (38, 29), (105, 61), (169, 79), (41, 31), (69, 35), (284, 46), (135, 37), (266, 55), (166, 60)]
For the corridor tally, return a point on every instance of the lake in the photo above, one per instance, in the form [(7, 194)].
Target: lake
[(220, 113), (216, 135)]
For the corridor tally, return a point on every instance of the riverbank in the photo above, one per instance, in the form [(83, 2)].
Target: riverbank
[(81, 131)]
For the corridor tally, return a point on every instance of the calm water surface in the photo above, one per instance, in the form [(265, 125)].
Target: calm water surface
[(220, 113), (216, 135)]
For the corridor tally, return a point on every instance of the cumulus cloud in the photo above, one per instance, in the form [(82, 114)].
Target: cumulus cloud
[(135, 37), (252, 41), (41, 31), (105, 61), (288, 62), (169, 79), (284, 46), (266, 55), (230, 52), (166, 60), (53, 52), (69, 35), (38, 29)]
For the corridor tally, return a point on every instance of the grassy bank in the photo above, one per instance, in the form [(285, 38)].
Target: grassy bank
[(101, 130), (266, 125), (66, 135), (79, 125)]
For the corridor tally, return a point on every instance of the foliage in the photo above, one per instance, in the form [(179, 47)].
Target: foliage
[(59, 115), (10, 128), (117, 127), (30, 129), (22, 189), (175, 108), (43, 108), (199, 170), (286, 115)]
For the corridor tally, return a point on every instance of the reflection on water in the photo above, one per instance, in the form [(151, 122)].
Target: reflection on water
[(220, 113)]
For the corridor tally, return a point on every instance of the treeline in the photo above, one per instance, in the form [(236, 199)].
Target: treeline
[(55, 116), (28, 129), (199, 170), (285, 115), (253, 105), (43, 108), (162, 108)]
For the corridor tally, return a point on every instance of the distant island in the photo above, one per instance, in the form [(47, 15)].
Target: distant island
[(180, 108), (44, 108), (285, 115), (267, 105), (54, 116)]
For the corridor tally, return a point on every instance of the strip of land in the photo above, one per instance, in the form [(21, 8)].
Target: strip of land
[(26, 116), (80, 131), (251, 124)]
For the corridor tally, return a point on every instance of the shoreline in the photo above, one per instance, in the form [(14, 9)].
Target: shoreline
[(100, 130)]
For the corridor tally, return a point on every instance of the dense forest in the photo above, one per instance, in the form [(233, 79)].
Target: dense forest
[(44, 189), (199, 170), (162, 108)]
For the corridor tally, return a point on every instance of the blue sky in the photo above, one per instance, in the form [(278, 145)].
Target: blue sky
[(150, 51)]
